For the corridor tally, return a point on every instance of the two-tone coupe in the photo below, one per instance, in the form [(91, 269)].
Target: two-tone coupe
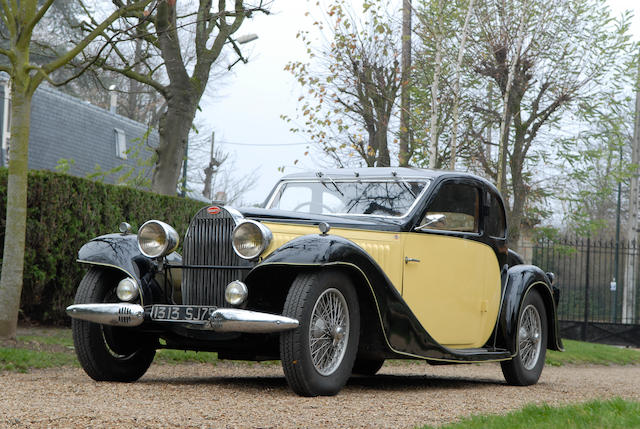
[(338, 271)]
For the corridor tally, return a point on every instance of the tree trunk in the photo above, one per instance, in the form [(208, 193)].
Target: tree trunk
[(384, 160), (629, 293), (16, 220), (433, 143), (173, 130), (404, 154), (506, 113), (456, 87)]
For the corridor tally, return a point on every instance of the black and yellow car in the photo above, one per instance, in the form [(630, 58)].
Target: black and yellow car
[(338, 271)]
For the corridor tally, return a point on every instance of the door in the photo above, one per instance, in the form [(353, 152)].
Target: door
[(451, 281)]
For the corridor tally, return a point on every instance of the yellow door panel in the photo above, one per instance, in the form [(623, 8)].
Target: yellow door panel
[(384, 247), (454, 289)]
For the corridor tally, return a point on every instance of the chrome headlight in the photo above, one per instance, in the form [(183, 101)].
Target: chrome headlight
[(157, 239), (127, 289), (250, 239), (236, 292)]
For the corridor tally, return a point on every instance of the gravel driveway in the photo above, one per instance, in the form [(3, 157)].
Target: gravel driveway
[(256, 396)]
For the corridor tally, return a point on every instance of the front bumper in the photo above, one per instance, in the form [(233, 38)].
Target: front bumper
[(220, 320)]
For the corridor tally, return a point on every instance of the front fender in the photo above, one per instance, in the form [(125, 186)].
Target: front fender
[(119, 252), (521, 279)]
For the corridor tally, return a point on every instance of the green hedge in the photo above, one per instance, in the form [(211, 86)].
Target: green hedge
[(64, 212)]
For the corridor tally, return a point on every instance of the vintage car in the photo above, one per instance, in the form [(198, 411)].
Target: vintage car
[(338, 271)]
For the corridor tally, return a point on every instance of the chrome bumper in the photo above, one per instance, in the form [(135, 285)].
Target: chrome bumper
[(221, 320)]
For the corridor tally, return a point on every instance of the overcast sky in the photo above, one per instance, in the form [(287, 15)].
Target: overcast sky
[(245, 110)]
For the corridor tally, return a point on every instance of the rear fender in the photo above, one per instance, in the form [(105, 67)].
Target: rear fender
[(521, 280)]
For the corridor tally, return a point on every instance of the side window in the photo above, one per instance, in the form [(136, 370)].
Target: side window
[(455, 208), (298, 198), (496, 224)]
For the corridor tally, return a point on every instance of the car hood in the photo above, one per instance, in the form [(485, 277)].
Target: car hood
[(358, 222)]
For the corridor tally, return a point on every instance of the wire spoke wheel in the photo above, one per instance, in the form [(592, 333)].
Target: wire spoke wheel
[(529, 336), (318, 356), (329, 331)]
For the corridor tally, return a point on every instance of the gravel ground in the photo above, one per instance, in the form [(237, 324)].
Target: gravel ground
[(256, 396)]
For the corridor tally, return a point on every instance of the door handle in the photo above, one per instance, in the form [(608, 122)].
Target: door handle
[(408, 259)]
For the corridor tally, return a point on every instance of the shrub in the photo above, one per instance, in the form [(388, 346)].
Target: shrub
[(63, 213)]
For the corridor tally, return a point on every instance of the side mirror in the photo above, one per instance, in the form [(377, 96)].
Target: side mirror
[(431, 220)]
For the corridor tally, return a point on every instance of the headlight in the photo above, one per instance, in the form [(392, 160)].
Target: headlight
[(250, 239), (127, 289), (157, 239), (236, 292)]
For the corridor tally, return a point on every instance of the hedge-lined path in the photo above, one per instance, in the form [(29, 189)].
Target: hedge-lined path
[(256, 396)]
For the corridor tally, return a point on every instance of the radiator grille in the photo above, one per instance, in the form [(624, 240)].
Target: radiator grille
[(208, 242)]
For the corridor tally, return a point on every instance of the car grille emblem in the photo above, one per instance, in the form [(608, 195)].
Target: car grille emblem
[(213, 210)]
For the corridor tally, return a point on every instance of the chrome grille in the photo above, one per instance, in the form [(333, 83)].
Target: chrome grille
[(208, 243)]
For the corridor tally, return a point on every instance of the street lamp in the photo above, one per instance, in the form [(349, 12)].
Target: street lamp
[(241, 41)]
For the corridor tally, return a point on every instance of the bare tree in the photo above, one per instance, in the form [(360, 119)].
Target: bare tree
[(181, 77), (544, 57), (21, 20), (351, 86)]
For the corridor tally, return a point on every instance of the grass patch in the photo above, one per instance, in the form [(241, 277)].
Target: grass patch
[(58, 337), (614, 413), (184, 356), (22, 360), (580, 353)]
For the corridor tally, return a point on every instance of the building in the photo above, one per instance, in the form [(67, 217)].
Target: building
[(85, 138)]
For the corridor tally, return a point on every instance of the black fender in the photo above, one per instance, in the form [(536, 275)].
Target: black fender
[(121, 252), (403, 335), (521, 279)]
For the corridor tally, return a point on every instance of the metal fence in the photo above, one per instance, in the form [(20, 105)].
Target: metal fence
[(598, 280)]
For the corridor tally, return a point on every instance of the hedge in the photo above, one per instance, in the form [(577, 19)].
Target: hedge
[(64, 212)]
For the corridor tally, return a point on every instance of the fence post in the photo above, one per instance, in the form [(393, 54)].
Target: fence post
[(586, 292)]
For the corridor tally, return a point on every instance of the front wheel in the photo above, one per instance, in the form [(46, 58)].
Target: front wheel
[(317, 357), (108, 353), (525, 368)]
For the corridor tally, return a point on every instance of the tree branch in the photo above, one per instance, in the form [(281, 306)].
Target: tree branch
[(8, 17), (37, 17), (69, 55)]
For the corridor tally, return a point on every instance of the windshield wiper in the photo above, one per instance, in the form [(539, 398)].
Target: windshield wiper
[(405, 183), (335, 185)]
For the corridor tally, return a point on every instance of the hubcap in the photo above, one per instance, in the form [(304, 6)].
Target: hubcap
[(529, 336), (329, 331)]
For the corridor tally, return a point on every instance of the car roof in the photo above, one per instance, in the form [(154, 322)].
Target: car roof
[(378, 173)]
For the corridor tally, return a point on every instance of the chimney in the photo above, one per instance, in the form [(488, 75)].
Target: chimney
[(113, 99)]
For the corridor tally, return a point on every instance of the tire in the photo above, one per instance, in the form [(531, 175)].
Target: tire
[(365, 366), (108, 353), (318, 356), (525, 368)]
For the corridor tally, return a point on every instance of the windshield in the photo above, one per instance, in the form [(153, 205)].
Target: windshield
[(354, 197)]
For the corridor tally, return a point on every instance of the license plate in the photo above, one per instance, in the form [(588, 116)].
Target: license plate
[(181, 312)]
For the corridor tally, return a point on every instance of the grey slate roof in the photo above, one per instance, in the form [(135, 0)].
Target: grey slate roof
[(65, 127)]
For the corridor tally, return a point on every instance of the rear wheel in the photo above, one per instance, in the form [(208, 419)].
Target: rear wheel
[(317, 357), (108, 353), (525, 368)]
